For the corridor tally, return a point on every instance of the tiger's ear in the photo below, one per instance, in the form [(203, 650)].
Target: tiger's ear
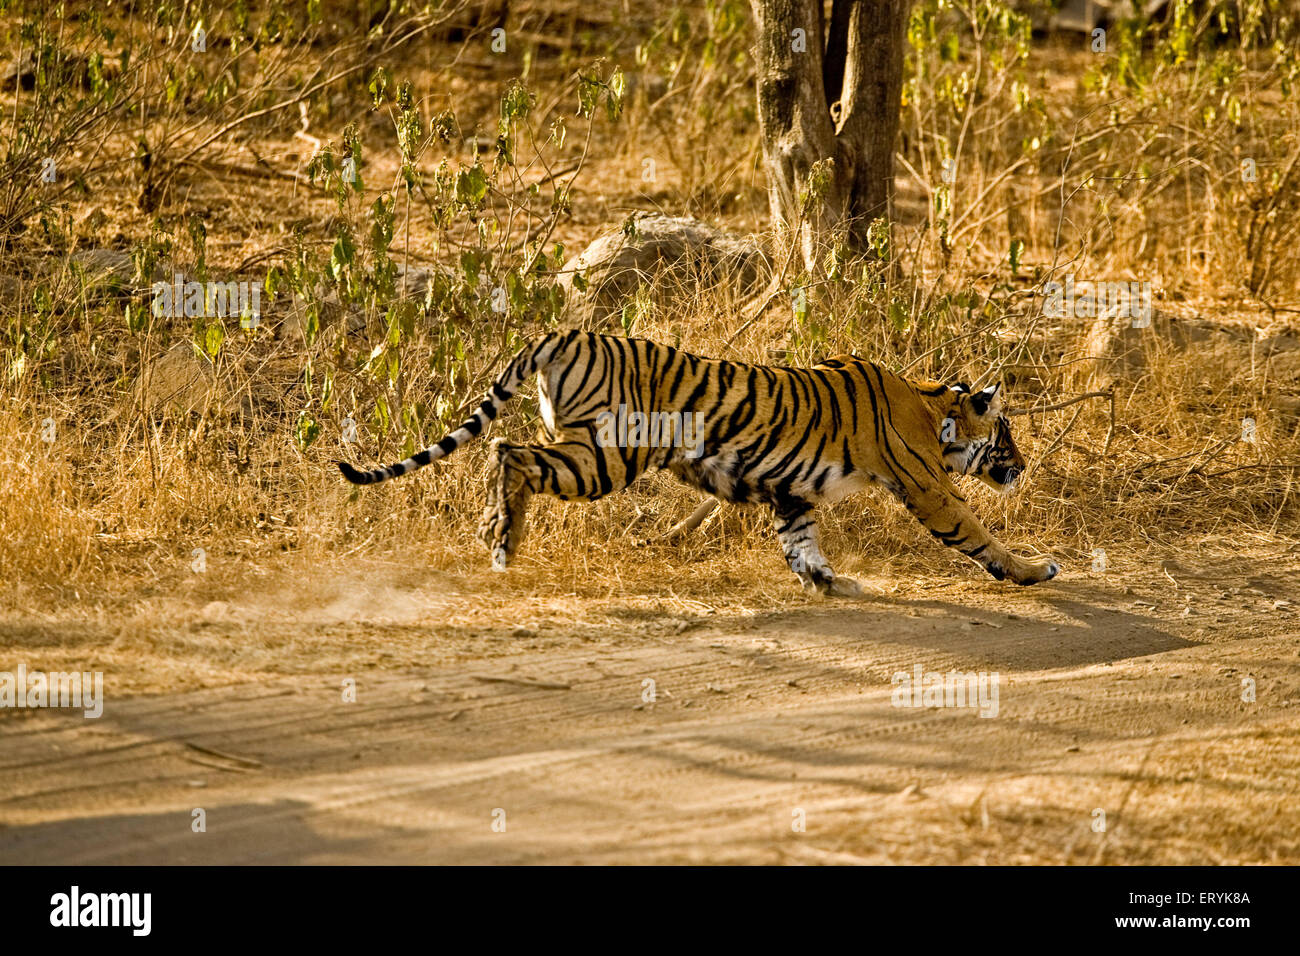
[(987, 402)]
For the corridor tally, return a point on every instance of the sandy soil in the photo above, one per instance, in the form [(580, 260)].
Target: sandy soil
[(1118, 696)]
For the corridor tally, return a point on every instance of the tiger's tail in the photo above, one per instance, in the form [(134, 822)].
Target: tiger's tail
[(530, 360)]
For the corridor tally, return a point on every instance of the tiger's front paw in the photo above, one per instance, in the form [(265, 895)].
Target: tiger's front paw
[(1033, 572), (844, 587)]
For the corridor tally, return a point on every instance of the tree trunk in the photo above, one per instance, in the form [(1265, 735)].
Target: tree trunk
[(828, 106)]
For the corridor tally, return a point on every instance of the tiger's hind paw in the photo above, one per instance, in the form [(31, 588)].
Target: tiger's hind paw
[(833, 586)]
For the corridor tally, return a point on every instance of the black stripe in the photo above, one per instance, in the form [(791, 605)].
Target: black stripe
[(852, 390), (567, 463), (682, 365), (887, 447)]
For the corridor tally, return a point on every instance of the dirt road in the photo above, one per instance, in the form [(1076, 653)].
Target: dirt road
[(772, 738)]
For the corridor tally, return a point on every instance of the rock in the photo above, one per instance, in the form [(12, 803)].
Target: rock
[(651, 84), (181, 379), (65, 69), (1281, 342), (112, 270), (293, 328), (1083, 16), (666, 251), (418, 279), (1286, 367), (1119, 350), (214, 612), (1286, 408), (19, 72), (104, 268)]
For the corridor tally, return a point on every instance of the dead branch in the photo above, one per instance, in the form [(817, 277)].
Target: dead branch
[(1108, 393)]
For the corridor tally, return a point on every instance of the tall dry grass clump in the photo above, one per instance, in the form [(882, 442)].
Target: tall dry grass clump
[(46, 533)]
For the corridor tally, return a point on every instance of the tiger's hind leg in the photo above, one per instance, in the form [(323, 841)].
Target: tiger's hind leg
[(947, 517), (797, 531), (505, 519), (565, 469)]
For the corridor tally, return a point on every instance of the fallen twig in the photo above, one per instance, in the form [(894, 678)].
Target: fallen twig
[(212, 764), (522, 681), (1228, 471), (696, 518), (248, 761)]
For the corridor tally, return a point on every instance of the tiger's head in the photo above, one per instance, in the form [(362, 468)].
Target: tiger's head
[(976, 438)]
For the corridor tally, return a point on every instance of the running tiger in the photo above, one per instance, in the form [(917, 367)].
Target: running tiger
[(792, 438)]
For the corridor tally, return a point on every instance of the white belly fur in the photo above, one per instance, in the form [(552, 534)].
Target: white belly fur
[(544, 403)]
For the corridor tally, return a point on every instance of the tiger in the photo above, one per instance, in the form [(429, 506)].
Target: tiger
[(789, 438)]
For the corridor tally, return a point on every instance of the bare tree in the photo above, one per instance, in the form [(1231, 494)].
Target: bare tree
[(828, 105)]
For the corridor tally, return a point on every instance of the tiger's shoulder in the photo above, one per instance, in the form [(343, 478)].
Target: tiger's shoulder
[(885, 376)]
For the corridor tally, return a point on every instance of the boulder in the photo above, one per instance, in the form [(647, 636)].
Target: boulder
[(180, 379), (668, 252)]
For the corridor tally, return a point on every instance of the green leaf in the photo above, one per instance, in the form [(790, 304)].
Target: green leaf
[(1017, 247), (306, 431), (378, 86), (470, 264), (213, 336), (898, 315), (313, 323), (342, 255), (614, 96), (471, 185)]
